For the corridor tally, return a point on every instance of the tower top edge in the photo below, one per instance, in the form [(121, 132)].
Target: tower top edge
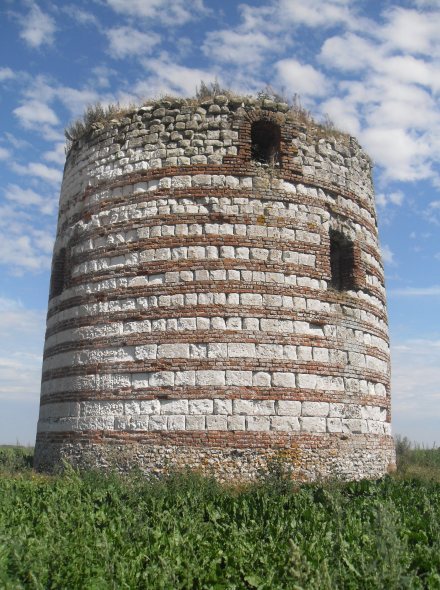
[(99, 119)]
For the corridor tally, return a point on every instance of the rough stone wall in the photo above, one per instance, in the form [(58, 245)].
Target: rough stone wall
[(192, 318)]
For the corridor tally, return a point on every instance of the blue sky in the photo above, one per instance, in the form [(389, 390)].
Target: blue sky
[(373, 67)]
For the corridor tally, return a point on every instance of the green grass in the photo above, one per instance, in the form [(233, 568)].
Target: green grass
[(95, 531)]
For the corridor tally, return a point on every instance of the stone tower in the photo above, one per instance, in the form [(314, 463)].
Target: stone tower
[(217, 298)]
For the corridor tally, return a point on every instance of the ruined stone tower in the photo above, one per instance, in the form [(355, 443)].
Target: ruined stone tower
[(217, 298)]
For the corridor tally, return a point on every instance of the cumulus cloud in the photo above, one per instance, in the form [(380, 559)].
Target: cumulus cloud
[(57, 155), (301, 78), (6, 74), (4, 153), (26, 197), (171, 12), (23, 247), (393, 198), (21, 348), (37, 27), (169, 77), (237, 47), (130, 42), (387, 254), (39, 170), (35, 113), (316, 13)]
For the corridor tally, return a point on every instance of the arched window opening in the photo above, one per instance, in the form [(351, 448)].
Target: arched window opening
[(341, 262), (58, 279), (266, 139)]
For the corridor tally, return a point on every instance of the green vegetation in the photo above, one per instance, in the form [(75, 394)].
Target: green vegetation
[(99, 532)]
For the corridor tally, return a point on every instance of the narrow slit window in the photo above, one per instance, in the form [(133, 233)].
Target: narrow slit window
[(341, 262), (58, 278), (266, 140)]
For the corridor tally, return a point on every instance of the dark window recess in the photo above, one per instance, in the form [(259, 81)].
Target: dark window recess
[(341, 262), (58, 278), (266, 139)]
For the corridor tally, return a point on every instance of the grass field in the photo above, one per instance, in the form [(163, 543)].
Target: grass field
[(93, 531)]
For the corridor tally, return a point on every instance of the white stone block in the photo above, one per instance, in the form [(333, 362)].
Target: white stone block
[(150, 406), (195, 422), (200, 406), (222, 406), (161, 379), (306, 381), (309, 424), (217, 350), (186, 323), (285, 423), (210, 378), (185, 378), (157, 423), (174, 406), (284, 380), (139, 423), (261, 379), (236, 423), (216, 422), (380, 390), (132, 408), (239, 378), (258, 423), (387, 428), (253, 407), (354, 426), (288, 408), (269, 351), (334, 425), (198, 351), (176, 350), (251, 299), (176, 423), (241, 350), (336, 410), (375, 427), (146, 351), (315, 409)]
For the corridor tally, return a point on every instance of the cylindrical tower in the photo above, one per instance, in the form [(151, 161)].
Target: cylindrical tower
[(217, 298)]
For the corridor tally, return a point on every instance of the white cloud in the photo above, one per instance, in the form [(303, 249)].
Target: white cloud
[(24, 248), (129, 42), (34, 113), (301, 78), (349, 53), (57, 155), (238, 47), (411, 31), (37, 28), (316, 13), (433, 291), (171, 78), (29, 198), (39, 170), (395, 198), (83, 17), (6, 74), (403, 156), (4, 153), (21, 349), (170, 12), (387, 254)]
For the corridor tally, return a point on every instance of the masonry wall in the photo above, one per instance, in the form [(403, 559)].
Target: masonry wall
[(192, 319)]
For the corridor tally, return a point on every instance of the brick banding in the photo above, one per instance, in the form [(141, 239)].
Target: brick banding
[(195, 316)]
